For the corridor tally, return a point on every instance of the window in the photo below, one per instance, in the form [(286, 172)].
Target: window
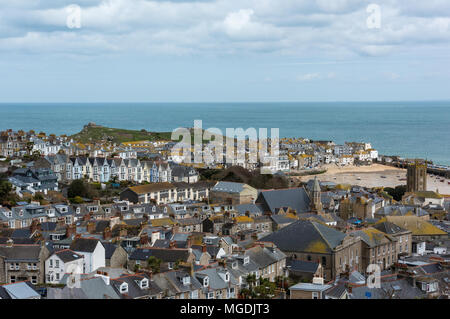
[(12, 279), (210, 295), (315, 295), (51, 263), (56, 263), (205, 282), (144, 283), (123, 288), (57, 276), (324, 261), (194, 294)]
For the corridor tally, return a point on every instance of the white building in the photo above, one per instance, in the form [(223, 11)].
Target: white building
[(93, 252), (62, 262)]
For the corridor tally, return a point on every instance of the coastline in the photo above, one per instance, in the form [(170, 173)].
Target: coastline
[(371, 177)]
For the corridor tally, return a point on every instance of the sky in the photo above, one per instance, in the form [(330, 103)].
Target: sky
[(224, 50)]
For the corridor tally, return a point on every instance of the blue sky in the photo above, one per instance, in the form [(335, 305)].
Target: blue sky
[(224, 50)]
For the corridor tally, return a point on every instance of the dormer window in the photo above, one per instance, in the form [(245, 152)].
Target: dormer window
[(227, 277), (154, 209), (143, 283), (78, 210), (186, 280), (246, 260), (124, 288), (234, 265), (205, 282)]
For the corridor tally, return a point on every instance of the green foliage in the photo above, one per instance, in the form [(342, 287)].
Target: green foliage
[(76, 200), (258, 289), (397, 192), (5, 188), (154, 264), (115, 135), (241, 175), (81, 188)]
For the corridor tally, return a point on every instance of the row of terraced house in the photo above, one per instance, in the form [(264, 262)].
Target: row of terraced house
[(101, 169)]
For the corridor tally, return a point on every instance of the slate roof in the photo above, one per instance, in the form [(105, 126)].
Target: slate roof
[(302, 266), (110, 248), (389, 228), (401, 287), (228, 187), (306, 236), (68, 255), (295, 198), (21, 252), (84, 244), (21, 290), (166, 255), (251, 208), (336, 291), (134, 290)]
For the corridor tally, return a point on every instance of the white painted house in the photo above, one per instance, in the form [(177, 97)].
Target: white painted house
[(93, 252), (60, 263)]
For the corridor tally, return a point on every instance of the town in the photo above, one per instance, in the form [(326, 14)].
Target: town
[(117, 214)]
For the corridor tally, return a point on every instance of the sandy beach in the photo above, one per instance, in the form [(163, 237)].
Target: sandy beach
[(371, 176)]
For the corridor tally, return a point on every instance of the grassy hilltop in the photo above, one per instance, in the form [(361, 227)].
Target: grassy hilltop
[(92, 133)]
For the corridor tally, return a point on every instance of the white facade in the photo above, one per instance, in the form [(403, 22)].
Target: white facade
[(55, 268), (93, 260)]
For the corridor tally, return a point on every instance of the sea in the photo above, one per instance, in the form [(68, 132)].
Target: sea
[(407, 129)]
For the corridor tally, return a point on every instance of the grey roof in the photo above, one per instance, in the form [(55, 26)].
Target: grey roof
[(84, 244), (336, 291), (401, 288), (215, 281), (401, 210), (296, 265), (228, 187), (21, 290), (309, 287), (21, 253), (295, 198), (134, 290), (166, 255), (305, 236), (110, 248), (251, 208), (389, 228), (68, 255)]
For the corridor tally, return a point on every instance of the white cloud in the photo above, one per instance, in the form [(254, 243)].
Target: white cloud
[(302, 28)]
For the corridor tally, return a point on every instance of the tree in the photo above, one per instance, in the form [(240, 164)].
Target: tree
[(154, 264), (258, 289), (5, 188), (77, 188), (397, 192)]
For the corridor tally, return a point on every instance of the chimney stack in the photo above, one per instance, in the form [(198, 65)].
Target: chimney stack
[(107, 233), (172, 244), (9, 242), (71, 230), (204, 248), (35, 225), (90, 227), (144, 239), (188, 243)]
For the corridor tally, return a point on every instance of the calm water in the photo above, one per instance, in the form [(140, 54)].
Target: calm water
[(410, 129)]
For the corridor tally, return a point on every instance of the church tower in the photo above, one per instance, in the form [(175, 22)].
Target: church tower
[(316, 203), (416, 177)]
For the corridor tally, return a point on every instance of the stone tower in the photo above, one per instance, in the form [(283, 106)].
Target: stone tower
[(416, 177), (316, 203)]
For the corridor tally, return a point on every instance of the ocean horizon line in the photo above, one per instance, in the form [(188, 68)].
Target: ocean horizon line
[(232, 102)]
